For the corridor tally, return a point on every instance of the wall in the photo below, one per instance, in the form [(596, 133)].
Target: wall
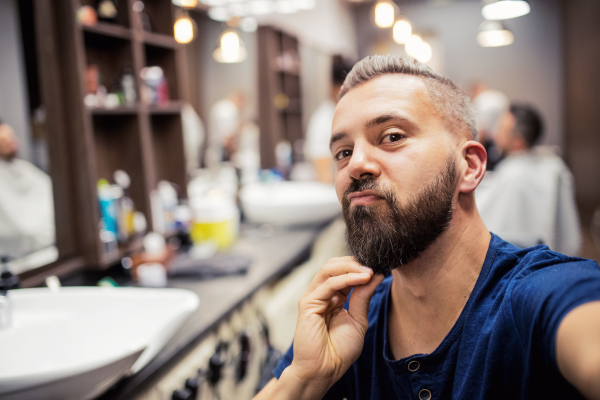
[(528, 70), (14, 108)]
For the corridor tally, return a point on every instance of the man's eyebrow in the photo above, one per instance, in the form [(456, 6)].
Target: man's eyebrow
[(337, 137), (382, 119)]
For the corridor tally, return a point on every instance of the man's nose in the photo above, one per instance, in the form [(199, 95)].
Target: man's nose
[(362, 162)]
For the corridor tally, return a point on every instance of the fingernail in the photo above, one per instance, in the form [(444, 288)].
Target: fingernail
[(367, 269)]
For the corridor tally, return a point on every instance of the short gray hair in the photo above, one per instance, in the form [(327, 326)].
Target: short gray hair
[(450, 101)]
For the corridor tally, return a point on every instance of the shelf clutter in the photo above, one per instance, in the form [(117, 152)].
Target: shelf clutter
[(128, 64)]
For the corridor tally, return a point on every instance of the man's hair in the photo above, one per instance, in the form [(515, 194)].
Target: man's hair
[(450, 101), (528, 124)]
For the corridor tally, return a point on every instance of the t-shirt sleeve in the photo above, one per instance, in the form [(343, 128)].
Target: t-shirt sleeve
[(285, 362), (542, 299)]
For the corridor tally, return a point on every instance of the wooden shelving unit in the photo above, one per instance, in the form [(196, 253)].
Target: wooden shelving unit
[(145, 140), (280, 97)]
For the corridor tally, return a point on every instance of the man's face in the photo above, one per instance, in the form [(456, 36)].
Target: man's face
[(505, 133), (396, 170), (8, 142)]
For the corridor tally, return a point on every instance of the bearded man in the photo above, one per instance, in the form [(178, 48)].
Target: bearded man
[(463, 314)]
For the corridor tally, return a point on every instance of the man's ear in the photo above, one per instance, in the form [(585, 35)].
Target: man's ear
[(473, 164)]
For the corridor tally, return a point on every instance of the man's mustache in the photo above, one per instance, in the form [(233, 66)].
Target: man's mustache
[(368, 183)]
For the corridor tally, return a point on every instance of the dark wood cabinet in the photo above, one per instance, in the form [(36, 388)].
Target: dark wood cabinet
[(145, 140), (280, 104)]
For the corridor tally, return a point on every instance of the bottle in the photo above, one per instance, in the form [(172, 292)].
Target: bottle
[(128, 86), (107, 10), (107, 207)]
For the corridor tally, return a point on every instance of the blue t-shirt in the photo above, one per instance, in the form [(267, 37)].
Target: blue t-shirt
[(501, 347)]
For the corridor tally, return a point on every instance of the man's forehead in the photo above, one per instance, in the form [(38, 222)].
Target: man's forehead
[(390, 93)]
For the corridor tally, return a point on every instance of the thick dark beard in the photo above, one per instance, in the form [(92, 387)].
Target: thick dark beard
[(389, 235)]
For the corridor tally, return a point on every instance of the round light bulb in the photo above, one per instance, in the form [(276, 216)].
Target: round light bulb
[(505, 9), (184, 30), (402, 31), (384, 14)]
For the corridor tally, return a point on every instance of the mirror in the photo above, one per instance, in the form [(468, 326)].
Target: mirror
[(27, 223)]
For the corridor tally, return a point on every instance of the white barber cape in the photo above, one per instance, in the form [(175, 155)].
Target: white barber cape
[(26, 208), (529, 199)]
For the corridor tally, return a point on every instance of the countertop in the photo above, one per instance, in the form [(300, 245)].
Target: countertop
[(271, 257)]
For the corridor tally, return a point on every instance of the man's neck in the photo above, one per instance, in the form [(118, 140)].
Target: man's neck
[(429, 294)]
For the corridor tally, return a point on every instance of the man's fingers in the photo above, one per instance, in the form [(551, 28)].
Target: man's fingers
[(330, 288), (334, 267), (360, 299)]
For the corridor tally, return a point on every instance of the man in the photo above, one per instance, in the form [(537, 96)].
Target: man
[(463, 314), (26, 202), (529, 199), (318, 132)]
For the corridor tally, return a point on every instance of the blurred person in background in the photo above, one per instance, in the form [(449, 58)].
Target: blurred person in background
[(225, 122), (529, 199), (26, 201), (316, 147), (489, 106)]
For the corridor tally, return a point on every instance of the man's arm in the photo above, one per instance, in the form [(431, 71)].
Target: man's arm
[(578, 349), (328, 339)]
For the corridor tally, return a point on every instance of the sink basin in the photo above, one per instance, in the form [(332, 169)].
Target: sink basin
[(289, 203), (77, 342)]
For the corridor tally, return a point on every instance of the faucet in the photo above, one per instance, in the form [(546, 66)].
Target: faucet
[(7, 281)]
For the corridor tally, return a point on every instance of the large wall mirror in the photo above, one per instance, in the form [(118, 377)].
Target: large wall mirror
[(27, 218), (35, 209)]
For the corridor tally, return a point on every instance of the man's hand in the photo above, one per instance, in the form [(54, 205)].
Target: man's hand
[(328, 339), (578, 349)]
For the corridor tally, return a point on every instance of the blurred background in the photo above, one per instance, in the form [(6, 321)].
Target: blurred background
[(132, 132)]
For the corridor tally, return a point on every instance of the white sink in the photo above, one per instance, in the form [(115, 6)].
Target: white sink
[(289, 203), (77, 342)]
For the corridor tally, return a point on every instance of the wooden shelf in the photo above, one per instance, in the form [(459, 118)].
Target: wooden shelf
[(172, 107), (110, 30), (120, 110), (159, 40)]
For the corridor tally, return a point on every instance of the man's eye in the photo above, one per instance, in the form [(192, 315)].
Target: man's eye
[(393, 137), (340, 155)]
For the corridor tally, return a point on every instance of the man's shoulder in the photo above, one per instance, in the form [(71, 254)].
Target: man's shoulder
[(538, 270)]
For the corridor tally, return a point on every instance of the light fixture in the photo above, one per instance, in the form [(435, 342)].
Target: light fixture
[(185, 29), (384, 13), (285, 7), (494, 34), (248, 24), (504, 9), (185, 3), (416, 47), (401, 31), (261, 7), (305, 4), (219, 14), (231, 49)]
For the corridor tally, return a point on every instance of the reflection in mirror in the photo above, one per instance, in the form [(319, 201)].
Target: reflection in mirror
[(27, 227)]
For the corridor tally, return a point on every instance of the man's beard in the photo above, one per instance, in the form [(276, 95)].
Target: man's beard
[(388, 235)]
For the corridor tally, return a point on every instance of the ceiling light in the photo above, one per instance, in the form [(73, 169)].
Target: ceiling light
[(417, 48), (384, 13), (248, 24), (185, 3), (238, 9), (261, 7), (185, 29), (402, 31), (504, 9), (231, 50), (494, 34), (285, 7), (219, 13), (305, 4)]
